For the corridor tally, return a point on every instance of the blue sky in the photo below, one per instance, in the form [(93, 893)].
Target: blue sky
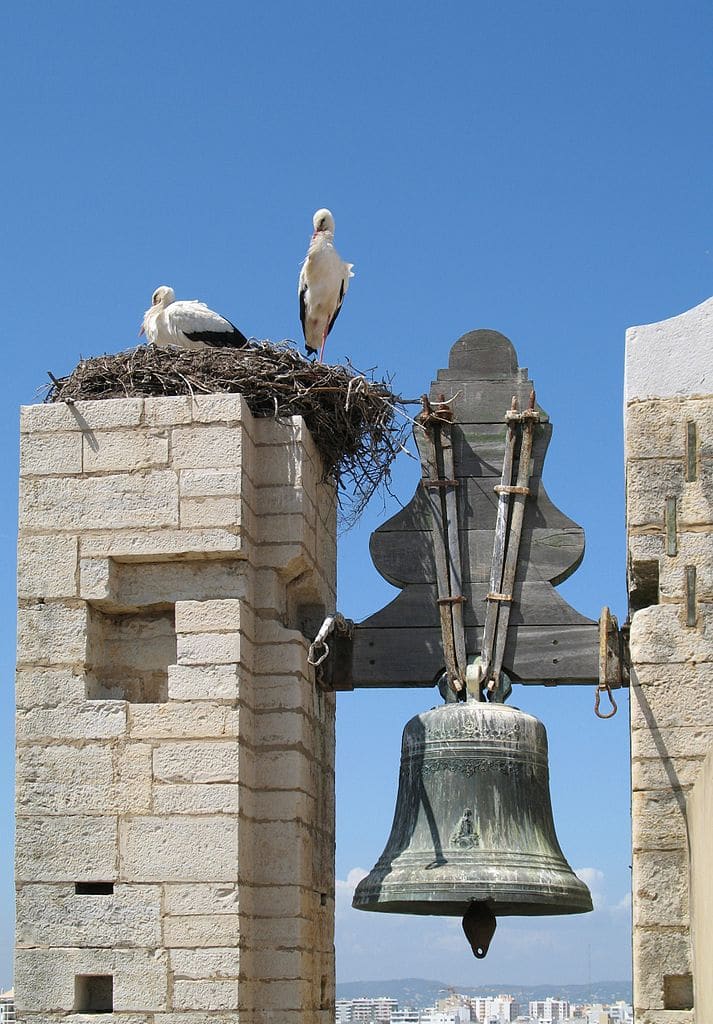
[(541, 169)]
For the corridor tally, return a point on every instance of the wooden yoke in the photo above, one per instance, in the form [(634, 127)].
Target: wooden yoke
[(547, 640)]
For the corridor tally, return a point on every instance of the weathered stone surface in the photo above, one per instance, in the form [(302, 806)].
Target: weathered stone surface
[(196, 930), (214, 649), (213, 617), (672, 695), (146, 499), (43, 454), (171, 721), (207, 799), (204, 682), (659, 951), (222, 408), (182, 848), (659, 821), (196, 995), (164, 412), (37, 687), (97, 719), (45, 977), (228, 512), (105, 414), (198, 762), (205, 963), (62, 778), (656, 428), (55, 915), (206, 447), (201, 899), (118, 451), (51, 634), (660, 885), (66, 848), (659, 636), (158, 545)]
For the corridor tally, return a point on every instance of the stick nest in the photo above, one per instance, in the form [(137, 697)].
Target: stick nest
[(350, 417)]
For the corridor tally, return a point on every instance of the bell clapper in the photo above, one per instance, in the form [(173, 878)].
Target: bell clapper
[(479, 924)]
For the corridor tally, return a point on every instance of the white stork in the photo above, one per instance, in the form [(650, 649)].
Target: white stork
[(324, 280), (187, 324)]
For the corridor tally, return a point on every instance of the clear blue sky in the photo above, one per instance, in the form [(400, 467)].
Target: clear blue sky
[(543, 169)]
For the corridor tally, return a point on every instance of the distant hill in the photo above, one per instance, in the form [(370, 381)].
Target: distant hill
[(418, 992)]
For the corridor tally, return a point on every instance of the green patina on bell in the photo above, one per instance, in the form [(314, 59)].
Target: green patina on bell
[(473, 834)]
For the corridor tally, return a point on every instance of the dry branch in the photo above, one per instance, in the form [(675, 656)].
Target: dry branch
[(350, 417)]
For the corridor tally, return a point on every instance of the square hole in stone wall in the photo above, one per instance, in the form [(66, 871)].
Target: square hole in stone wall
[(93, 993), (678, 991), (128, 654)]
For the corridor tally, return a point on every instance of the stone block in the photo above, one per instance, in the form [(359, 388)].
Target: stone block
[(211, 483), (207, 900), (120, 451), (284, 499), (282, 853), (657, 952), (66, 848), (100, 414), (693, 549), (269, 593), (167, 412), (204, 682), (224, 616), (648, 484), (657, 428), (65, 780), (284, 728), (275, 657), (97, 579), (671, 695), (278, 692), (658, 773), (97, 719), (197, 995), (51, 633), (197, 930), (161, 545), (133, 775), (288, 770), (206, 963), (222, 408), (54, 915), (173, 721), (181, 849), (210, 512), (660, 888), (659, 820), (47, 454), (144, 499), (199, 799), (45, 977), (658, 636), (206, 447), (214, 649), (284, 995), (48, 687), (198, 762), (672, 742), (283, 805)]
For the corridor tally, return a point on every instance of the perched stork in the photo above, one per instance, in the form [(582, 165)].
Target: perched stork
[(324, 280), (187, 324)]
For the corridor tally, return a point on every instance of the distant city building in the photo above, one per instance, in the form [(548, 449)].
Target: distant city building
[(7, 1007), (406, 1016), (548, 1010), (366, 1011)]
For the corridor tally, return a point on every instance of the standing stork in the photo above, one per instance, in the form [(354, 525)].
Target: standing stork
[(187, 324), (324, 280)]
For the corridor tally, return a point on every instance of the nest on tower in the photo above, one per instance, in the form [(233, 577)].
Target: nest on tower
[(351, 417)]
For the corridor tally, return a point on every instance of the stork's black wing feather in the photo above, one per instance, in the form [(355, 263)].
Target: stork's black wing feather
[(339, 306), (220, 339), (303, 312)]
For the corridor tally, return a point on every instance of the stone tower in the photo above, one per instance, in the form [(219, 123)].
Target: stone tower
[(669, 477), (175, 757)]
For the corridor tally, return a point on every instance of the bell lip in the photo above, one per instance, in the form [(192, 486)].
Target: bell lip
[(457, 908)]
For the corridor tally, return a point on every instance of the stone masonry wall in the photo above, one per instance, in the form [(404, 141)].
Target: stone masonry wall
[(669, 474), (174, 755)]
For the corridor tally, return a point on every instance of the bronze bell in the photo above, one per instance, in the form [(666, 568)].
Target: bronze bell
[(473, 834)]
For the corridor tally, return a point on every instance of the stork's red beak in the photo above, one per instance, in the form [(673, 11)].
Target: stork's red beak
[(142, 330)]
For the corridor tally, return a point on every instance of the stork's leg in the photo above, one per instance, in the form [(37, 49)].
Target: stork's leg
[(324, 338)]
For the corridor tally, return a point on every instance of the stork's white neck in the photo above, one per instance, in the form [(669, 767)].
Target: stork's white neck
[(320, 240)]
